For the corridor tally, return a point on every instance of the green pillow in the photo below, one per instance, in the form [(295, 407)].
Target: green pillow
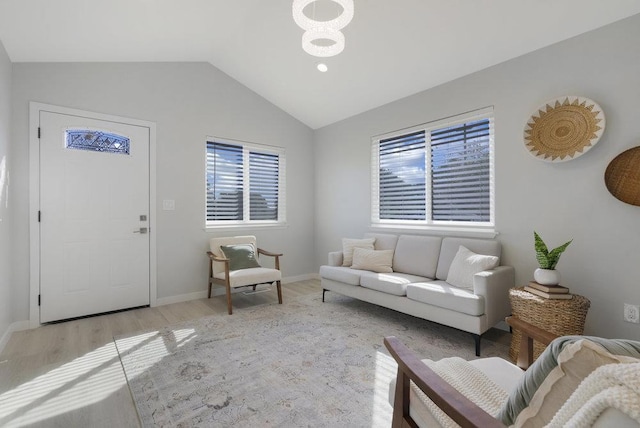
[(241, 256)]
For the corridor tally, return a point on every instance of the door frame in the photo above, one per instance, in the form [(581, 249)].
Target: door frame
[(34, 197)]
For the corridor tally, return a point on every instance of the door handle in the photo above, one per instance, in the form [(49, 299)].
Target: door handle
[(143, 230)]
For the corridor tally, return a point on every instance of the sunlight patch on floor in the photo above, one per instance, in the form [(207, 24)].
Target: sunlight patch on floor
[(386, 370), (156, 347), (81, 382), (184, 336)]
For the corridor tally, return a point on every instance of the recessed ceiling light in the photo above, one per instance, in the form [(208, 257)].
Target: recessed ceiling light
[(322, 67)]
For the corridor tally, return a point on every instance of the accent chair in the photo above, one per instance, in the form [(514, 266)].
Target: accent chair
[(233, 263)]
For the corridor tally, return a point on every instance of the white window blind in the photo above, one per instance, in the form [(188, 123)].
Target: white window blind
[(402, 178), (245, 184), (263, 176), (224, 182), (436, 174), (460, 172)]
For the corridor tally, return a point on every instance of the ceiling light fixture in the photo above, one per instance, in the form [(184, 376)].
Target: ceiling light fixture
[(322, 30), (322, 67)]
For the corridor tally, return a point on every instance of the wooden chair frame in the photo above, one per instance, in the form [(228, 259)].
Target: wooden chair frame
[(458, 407), (226, 282)]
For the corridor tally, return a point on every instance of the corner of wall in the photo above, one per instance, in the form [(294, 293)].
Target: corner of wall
[(6, 226)]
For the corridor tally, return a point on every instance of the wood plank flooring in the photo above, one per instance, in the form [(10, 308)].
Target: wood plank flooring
[(69, 374)]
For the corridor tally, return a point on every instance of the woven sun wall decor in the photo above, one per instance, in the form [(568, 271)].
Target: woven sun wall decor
[(622, 176), (564, 129)]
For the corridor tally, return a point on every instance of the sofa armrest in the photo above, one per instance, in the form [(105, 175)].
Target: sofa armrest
[(335, 258), (494, 286)]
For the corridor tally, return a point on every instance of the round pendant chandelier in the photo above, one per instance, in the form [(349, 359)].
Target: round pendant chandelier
[(322, 30)]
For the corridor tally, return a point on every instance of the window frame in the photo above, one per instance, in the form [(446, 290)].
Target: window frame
[(485, 227), (247, 148)]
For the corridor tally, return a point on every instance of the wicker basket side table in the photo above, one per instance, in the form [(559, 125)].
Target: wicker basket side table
[(561, 317)]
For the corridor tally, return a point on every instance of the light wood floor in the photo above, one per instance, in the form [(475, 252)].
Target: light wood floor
[(69, 374)]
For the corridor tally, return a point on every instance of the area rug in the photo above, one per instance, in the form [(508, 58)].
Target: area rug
[(304, 363)]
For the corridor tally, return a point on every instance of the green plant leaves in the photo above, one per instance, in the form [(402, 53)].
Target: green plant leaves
[(547, 259)]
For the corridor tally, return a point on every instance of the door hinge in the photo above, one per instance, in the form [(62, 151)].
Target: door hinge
[(38, 300), (39, 216), (38, 132)]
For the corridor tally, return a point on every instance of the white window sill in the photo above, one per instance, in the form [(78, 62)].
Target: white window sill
[(441, 230), (245, 226)]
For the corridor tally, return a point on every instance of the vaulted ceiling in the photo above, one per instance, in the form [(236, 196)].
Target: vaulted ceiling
[(393, 48)]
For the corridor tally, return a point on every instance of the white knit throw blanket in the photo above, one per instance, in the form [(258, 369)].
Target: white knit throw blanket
[(469, 381), (611, 385)]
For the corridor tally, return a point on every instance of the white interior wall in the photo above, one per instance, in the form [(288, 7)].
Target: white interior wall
[(559, 200), (6, 312), (187, 101)]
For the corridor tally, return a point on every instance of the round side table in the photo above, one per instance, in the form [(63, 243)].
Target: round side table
[(561, 317)]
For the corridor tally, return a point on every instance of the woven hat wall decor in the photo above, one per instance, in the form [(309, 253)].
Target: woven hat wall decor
[(564, 129), (622, 176)]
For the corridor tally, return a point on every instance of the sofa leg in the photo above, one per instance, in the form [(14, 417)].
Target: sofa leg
[(476, 338), (323, 291)]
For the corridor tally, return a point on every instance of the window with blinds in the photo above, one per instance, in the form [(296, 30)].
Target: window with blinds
[(435, 174), (461, 172), (245, 184), (402, 177)]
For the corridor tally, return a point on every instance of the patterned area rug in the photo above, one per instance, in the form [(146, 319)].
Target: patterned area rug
[(303, 363)]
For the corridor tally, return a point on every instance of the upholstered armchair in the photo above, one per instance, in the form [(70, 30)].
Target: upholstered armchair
[(577, 381), (233, 263)]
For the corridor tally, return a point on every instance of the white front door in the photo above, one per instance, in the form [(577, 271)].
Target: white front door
[(94, 216)]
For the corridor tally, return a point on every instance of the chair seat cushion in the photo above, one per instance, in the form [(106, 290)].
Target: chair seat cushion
[(472, 380), (341, 274), (439, 293), (502, 372), (240, 278), (391, 283)]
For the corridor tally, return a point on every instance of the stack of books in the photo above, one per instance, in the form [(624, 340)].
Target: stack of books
[(548, 291)]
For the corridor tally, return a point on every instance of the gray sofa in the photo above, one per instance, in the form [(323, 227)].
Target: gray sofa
[(417, 286)]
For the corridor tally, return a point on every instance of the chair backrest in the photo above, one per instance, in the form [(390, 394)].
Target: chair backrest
[(216, 243)]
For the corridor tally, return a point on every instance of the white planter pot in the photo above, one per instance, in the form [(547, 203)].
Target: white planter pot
[(547, 276)]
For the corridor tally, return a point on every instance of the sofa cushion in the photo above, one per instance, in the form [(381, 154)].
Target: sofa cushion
[(373, 260), (390, 283), (417, 255), (465, 264), (349, 244), (384, 241), (439, 293), (450, 247), (341, 274)]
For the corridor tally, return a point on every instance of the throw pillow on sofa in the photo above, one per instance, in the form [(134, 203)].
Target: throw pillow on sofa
[(465, 264), (373, 260), (348, 246)]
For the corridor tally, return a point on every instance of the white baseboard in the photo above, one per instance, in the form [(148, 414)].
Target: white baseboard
[(219, 291), (16, 326), (306, 277), (181, 298)]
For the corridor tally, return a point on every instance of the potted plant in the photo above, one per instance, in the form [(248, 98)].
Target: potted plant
[(547, 274)]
